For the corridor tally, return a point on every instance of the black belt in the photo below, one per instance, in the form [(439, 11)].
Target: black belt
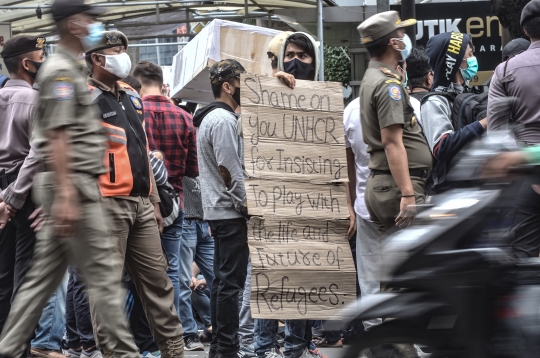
[(6, 179), (420, 173)]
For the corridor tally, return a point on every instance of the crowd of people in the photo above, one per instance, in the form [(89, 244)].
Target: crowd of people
[(123, 213)]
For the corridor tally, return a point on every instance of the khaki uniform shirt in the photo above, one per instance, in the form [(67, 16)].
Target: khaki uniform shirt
[(385, 102), (64, 101), (17, 107)]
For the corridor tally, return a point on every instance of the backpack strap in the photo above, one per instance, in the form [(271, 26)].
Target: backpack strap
[(462, 111)]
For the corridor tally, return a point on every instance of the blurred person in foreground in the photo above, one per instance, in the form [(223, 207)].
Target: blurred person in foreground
[(129, 191), (513, 104), (70, 142), (171, 131), (23, 57)]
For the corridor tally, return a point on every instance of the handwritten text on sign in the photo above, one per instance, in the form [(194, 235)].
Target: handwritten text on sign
[(294, 154)]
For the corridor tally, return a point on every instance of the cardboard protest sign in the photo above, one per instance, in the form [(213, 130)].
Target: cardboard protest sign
[(294, 155)]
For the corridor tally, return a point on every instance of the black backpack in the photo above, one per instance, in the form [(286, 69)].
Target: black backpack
[(466, 107)]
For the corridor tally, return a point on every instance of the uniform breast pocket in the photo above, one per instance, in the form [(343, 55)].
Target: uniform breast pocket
[(411, 122)]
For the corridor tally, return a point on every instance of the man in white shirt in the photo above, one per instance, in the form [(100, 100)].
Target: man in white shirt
[(368, 252)]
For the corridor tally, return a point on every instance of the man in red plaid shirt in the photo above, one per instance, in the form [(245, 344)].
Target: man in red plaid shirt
[(170, 130)]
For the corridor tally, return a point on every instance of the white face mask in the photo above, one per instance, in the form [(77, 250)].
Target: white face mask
[(118, 65)]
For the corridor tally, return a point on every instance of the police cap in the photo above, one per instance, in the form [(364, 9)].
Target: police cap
[(22, 44), (379, 25), (531, 10), (109, 39)]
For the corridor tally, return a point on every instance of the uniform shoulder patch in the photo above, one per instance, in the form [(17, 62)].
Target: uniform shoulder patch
[(395, 92), (63, 90), (393, 81), (136, 102)]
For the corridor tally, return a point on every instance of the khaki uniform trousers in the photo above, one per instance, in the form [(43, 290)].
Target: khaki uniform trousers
[(383, 198), (135, 233), (92, 251)]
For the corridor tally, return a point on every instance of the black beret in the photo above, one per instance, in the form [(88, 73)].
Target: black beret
[(22, 44), (531, 10), (62, 9), (514, 47)]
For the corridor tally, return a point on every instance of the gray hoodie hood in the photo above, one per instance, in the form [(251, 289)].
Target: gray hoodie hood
[(317, 54)]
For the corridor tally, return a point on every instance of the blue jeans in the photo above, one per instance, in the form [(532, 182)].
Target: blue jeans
[(265, 336), (171, 243), (201, 302), (297, 337), (196, 246), (52, 324)]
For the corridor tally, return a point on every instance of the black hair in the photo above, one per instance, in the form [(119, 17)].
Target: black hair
[(217, 87), (304, 43), (532, 26), (379, 47), (418, 67), (148, 73), (274, 64), (88, 59), (13, 63), (133, 83)]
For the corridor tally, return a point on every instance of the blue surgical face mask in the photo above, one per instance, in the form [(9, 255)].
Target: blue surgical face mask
[(406, 79), (405, 53), (404, 74), (95, 33), (472, 69)]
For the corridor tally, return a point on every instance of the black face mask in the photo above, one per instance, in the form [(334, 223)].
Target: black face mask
[(37, 65), (300, 70), (236, 95)]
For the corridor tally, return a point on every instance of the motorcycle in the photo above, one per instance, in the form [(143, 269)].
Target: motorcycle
[(452, 289)]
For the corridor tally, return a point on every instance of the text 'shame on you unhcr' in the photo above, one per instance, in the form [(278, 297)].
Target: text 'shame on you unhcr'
[(294, 121)]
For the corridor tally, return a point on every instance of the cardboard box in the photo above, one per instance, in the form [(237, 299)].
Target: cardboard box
[(219, 40)]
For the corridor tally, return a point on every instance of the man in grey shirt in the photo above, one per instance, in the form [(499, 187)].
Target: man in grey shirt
[(18, 164), (219, 150), (513, 97)]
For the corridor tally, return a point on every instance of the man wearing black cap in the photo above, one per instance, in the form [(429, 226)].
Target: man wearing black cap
[(399, 156), (129, 191), (70, 142), (23, 55), (513, 94), (221, 174)]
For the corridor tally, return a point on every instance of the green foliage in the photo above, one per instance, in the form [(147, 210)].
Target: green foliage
[(337, 65)]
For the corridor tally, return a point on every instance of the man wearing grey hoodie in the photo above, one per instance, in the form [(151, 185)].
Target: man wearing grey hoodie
[(221, 175)]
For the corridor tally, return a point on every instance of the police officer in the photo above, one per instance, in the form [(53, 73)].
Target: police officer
[(129, 190), (70, 142), (511, 99), (23, 55), (400, 159)]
